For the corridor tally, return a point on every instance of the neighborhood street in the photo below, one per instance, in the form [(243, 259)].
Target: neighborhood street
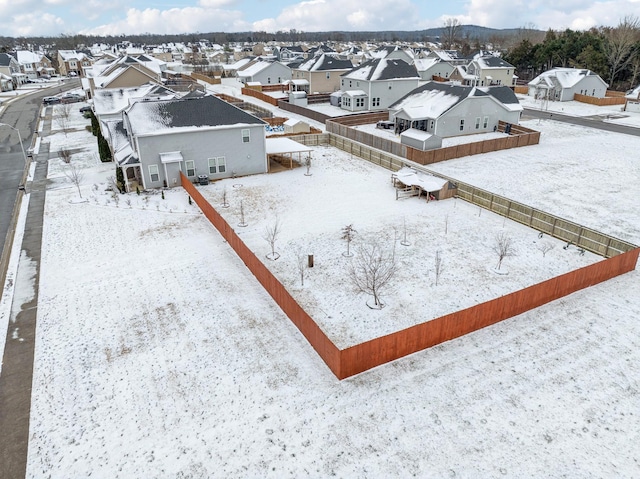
[(590, 122)]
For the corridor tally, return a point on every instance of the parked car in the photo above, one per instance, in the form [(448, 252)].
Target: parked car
[(51, 100), (71, 98), (85, 109)]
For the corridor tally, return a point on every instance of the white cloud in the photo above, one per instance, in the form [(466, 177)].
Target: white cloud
[(175, 20), (36, 23), (350, 15), (216, 3)]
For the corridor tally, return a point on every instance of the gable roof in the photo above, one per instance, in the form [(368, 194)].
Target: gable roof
[(156, 116), (492, 61), (432, 99), (325, 62), (108, 101), (6, 60), (379, 69), (566, 77)]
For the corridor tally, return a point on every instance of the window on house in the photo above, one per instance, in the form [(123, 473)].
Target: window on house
[(486, 122), (359, 102), (245, 136), (477, 123), (390, 85), (433, 123), (461, 125), (328, 75), (222, 164), (190, 166), (268, 80), (594, 92), (154, 174), (375, 102), (217, 165)]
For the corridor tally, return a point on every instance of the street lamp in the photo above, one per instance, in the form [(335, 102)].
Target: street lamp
[(19, 139)]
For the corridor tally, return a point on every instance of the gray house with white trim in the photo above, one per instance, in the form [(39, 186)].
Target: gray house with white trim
[(200, 135), (561, 84), (376, 84), (447, 110)]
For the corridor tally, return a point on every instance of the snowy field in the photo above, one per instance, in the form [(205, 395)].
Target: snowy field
[(581, 174), (158, 355)]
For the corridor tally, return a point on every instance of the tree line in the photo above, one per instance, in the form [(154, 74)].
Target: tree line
[(611, 52)]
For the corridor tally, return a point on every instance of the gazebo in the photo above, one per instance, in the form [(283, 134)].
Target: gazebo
[(282, 149)]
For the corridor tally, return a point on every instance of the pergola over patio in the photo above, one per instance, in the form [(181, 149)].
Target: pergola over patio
[(279, 149)]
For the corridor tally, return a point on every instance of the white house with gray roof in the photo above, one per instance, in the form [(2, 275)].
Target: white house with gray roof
[(485, 69), (377, 83), (265, 72), (447, 110), (202, 135), (561, 84)]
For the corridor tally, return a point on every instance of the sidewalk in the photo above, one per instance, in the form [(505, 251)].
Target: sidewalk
[(17, 368)]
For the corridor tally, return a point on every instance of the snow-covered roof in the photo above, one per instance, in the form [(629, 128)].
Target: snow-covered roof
[(285, 145), (108, 101), (325, 62), (25, 56), (428, 183), (379, 69), (566, 77), (158, 116), (416, 134), (353, 93), (171, 157)]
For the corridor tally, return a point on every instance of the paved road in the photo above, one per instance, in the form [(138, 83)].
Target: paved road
[(582, 121), (21, 113)]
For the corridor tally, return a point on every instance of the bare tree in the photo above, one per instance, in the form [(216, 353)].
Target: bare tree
[(404, 241), (63, 117), (371, 270), (545, 247), (307, 163), (450, 33), (242, 222), (225, 199), (348, 232), (270, 235), (74, 175), (65, 155), (619, 45), (301, 262), (438, 266), (503, 247)]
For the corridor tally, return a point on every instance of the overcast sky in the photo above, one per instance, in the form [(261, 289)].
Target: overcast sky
[(116, 17)]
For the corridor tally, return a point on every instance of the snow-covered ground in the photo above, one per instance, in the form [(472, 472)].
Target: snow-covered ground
[(312, 210), (585, 175), (158, 355)]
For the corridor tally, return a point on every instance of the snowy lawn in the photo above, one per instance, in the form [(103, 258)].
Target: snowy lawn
[(158, 355), (312, 210), (584, 175)]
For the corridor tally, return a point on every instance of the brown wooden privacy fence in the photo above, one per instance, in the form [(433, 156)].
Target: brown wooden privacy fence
[(522, 89), (370, 354), (519, 137), (300, 110), (260, 96), (206, 78), (329, 353), (359, 358), (599, 101), (362, 118), (579, 235)]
